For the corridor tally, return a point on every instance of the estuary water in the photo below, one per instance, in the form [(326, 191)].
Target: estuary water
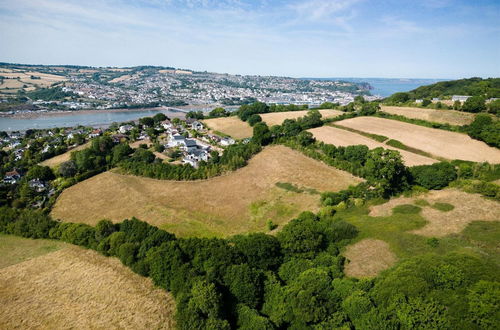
[(86, 118)]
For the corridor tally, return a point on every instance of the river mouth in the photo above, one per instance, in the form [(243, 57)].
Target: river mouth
[(93, 118)]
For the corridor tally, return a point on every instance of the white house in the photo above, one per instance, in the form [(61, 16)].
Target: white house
[(227, 141), (12, 177), (461, 98), (195, 156), (37, 185), (166, 124), (176, 141), (197, 126), (125, 128), (188, 145)]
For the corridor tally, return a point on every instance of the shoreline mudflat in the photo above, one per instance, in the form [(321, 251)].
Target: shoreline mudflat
[(58, 113)]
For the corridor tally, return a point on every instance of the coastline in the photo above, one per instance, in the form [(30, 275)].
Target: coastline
[(59, 113)]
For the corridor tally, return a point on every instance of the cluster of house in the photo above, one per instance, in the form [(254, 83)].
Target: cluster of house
[(194, 150), (14, 177)]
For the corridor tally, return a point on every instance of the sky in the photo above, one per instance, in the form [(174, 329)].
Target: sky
[(296, 38)]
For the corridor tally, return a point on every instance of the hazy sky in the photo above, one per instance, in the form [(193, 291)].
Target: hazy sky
[(299, 38)]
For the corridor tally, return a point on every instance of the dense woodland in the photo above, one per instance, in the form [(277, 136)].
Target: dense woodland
[(294, 279), (488, 88)]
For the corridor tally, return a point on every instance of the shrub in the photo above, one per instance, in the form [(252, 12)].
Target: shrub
[(435, 176), (254, 119), (406, 209), (444, 207)]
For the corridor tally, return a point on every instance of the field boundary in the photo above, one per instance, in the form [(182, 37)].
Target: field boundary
[(390, 142)]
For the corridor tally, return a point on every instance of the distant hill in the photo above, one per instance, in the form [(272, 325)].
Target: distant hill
[(472, 87)]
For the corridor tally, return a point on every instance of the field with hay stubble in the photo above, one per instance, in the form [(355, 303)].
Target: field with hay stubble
[(238, 202)]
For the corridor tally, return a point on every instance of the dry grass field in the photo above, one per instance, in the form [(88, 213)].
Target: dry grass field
[(467, 208), (367, 258), (238, 202), (437, 142), (120, 79), (19, 78), (277, 118), (451, 117), (340, 137), (59, 159), (75, 288), (231, 126)]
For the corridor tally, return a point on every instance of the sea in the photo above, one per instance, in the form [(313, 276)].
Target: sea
[(387, 86)]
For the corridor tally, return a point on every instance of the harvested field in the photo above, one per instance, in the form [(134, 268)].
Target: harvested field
[(231, 126), (75, 288), (445, 144), (120, 79), (59, 159), (238, 202), (367, 258), (277, 118), (451, 117), (18, 79), (467, 208), (342, 138)]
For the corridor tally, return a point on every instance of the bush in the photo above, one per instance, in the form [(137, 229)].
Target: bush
[(254, 119), (444, 207), (435, 176), (406, 209)]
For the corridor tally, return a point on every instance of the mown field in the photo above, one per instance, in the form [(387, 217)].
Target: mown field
[(59, 159), (343, 138), (19, 78), (74, 288), (436, 222), (231, 126), (238, 202), (451, 117), (440, 143)]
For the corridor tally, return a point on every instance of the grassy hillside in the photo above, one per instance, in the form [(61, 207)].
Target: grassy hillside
[(473, 87)]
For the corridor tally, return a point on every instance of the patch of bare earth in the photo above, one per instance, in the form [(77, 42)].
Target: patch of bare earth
[(237, 202), (451, 117), (367, 258), (343, 138), (468, 208), (449, 145), (75, 288)]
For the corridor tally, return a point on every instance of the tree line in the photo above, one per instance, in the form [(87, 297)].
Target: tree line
[(294, 280)]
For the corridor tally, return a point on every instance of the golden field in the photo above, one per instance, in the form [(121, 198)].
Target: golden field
[(451, 117), (17, 79), (343, 138), (231, 126), (238, 202), (74, 288), (440, 143)]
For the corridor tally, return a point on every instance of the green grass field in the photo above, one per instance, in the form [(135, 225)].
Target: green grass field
[(479, 238), (14, 250)]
